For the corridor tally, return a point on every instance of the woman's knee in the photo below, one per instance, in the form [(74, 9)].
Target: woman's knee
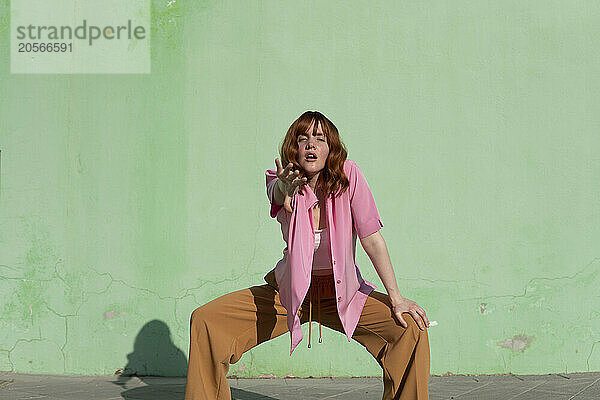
[(199, 315), (412, 325), (208, 310)]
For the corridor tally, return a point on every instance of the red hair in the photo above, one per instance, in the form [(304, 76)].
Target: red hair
[(332, 179)]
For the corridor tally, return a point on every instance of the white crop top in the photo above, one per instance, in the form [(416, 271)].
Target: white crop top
[(321, 259)]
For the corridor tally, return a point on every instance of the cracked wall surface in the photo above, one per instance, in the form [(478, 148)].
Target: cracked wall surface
[(126, 201)]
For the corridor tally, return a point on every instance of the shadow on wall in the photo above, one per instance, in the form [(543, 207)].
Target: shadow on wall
[(154, 355)]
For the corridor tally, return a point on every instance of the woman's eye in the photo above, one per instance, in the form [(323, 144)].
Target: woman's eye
[(304, 139)]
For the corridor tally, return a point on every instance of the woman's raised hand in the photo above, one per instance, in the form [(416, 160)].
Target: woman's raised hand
[(289, 182)]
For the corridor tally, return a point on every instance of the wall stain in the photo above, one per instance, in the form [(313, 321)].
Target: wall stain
[(518, 342)]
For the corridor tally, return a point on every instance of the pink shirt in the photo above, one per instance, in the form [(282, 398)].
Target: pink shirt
[(351, 214)]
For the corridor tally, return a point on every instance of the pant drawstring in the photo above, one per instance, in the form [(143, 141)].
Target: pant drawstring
[(310, 314), (319, 309)]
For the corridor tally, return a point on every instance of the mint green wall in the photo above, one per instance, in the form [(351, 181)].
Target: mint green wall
[(126, 201)]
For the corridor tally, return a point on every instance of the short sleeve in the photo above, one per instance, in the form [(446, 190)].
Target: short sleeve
[(365, 215), (271, 178)]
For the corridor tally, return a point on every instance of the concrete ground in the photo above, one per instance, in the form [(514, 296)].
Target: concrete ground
[(576, 386)]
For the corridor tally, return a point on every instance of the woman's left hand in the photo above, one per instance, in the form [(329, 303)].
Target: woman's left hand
[(402, 305)]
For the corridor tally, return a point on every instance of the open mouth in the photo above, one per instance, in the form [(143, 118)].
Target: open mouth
[(310, 157)]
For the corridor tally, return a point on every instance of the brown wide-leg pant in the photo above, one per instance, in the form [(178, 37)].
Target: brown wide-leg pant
[(228, 326)]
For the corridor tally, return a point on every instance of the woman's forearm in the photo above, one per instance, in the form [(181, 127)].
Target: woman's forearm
[(278, 195), (376, 249)]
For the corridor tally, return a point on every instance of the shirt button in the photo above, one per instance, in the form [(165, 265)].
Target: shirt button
[(339, 299), (338, 281), (333, 262)]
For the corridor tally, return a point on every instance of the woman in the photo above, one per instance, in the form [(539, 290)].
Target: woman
[(323, 202)]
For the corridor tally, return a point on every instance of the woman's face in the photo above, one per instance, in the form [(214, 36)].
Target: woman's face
[(310, 145)]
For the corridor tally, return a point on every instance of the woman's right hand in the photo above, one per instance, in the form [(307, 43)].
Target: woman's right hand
[(289, 182)]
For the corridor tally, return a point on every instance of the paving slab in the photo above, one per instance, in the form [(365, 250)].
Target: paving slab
[(576, 386)]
